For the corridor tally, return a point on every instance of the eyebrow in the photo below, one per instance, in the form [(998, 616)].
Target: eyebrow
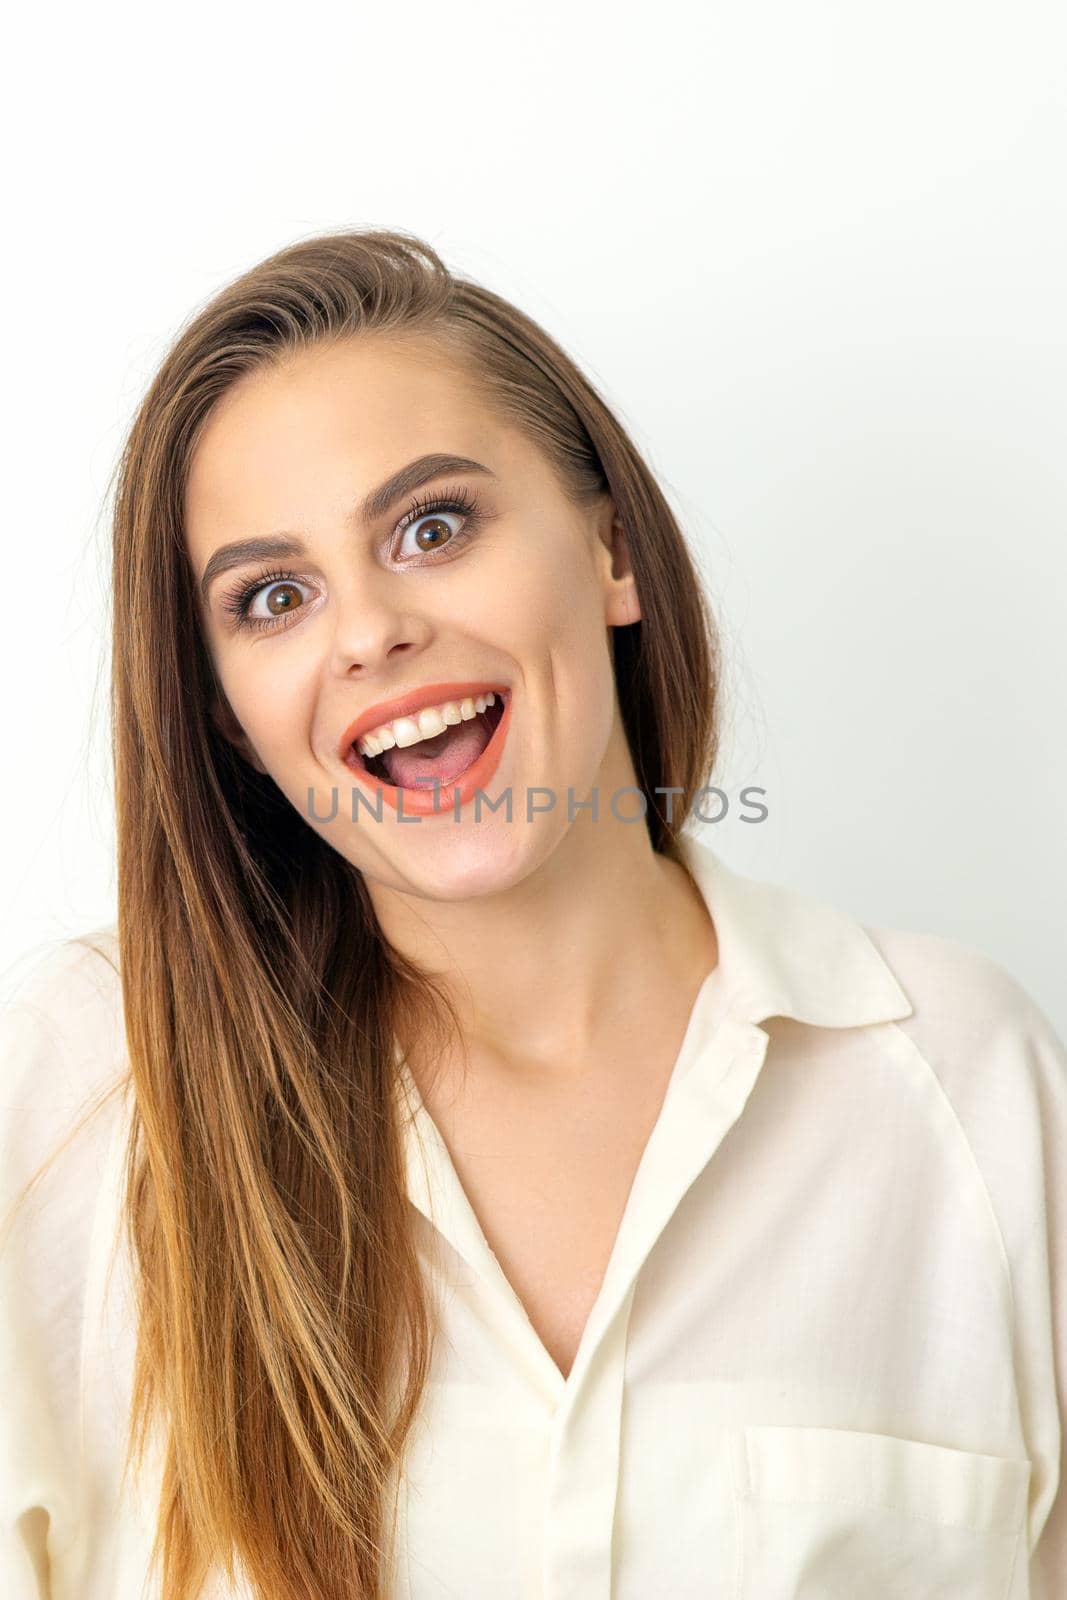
[(376, 504)]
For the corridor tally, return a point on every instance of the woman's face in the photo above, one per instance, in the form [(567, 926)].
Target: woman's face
[(371, 604)]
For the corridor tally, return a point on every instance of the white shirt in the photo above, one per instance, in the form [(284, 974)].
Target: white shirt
[(828, 1359)]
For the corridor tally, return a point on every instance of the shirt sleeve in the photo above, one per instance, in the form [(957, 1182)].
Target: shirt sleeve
[(56, 1039), (1003, 1068), (1040, 1290)]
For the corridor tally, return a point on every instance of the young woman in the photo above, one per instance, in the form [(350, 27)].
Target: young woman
[(484, 1191)]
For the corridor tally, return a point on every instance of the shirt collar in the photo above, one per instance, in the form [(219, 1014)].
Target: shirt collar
[(785, 953)]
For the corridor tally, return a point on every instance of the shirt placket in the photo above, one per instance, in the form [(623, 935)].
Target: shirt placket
[(711, 1081), (708, 1091)]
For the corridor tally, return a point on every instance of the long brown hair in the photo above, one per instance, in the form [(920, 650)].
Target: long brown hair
[(284, 1331)]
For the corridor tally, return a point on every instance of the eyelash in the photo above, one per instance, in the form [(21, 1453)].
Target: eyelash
[(238, 601)]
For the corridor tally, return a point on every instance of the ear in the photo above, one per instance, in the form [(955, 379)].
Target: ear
[(222, 716), (621, 603)]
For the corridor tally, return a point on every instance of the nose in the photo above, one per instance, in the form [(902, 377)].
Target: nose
[(374, 618)]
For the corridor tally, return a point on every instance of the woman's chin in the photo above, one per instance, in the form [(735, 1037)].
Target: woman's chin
[(466, 863), (465, 866)]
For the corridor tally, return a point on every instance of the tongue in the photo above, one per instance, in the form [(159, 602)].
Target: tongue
[(443, 757)]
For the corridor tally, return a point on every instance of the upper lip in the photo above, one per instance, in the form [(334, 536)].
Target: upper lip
[(406, 705)]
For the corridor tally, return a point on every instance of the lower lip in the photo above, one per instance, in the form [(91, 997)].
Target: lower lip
[(430, 800)]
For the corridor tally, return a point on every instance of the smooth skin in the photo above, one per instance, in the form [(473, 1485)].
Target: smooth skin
[(573, 951)]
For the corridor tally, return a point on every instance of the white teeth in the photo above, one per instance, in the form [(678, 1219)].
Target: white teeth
[(426, 724), (407, 732), (430, 722)]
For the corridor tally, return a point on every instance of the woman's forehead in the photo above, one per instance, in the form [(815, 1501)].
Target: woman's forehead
[(325, 434)]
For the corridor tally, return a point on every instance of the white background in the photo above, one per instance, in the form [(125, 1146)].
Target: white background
[(815, 255)]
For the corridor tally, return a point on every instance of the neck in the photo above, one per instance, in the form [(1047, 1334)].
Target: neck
[(546, 971)]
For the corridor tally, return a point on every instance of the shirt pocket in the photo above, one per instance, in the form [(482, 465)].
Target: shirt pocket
[(828, 1514)]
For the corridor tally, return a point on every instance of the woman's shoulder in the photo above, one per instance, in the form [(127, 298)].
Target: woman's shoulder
[(90, 957), (980, 1029), (958, 990), (62, 1061), (64, 999)]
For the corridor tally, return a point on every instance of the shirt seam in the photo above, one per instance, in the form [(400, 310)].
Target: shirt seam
[(977, 1167)]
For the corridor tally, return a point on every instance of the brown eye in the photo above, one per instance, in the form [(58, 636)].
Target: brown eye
[(449, 518), (282, 593), (282, 598), (433, 532), (429, 532)]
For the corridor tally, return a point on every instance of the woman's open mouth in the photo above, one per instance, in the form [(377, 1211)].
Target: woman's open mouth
[(449, 764), (444, 756)]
